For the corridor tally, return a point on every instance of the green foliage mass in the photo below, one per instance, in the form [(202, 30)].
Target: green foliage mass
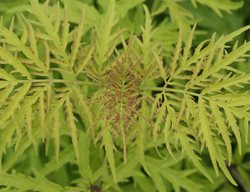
[(124, 95)]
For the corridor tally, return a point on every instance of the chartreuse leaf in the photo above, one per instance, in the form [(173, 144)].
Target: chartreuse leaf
[(7, 76), (22, 183), (235, 128), (55, 69), (74, 12), (147, 36), (108, 145), (7, 56), (207, 134), (56, 120), (42, 113), (38, 11), (167, 130), (32, 39), (77, 41), (84, 145), (158, 180), (66, 156), (179, 14), (81, 101), (3, 84), (5, 137), (159, 118), (190, 151), (23, 115), (85, 61), (11, 38), (234, 81), (24, 143), (225, 170), (213, 151), (72, 127), (28, 117), (177, 178), (231, 57), (65, 28), (222, 128), (141, 138), (124, 6), (104, 33), (225, 5), (16, 99), (145, 183)]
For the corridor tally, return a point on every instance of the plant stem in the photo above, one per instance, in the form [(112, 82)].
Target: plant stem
[(170, 90), (58, 81)]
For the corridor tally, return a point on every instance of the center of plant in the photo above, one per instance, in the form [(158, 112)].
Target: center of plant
[(121, 94)]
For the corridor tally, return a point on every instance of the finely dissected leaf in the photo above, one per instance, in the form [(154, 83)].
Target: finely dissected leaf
[(5, 137), (181, 181), (225, 170), (42, 114), (56, 120), (85, 108), (29, 125), (32, 39), (10, 36), (177, 178), (187, 146), (176, 53), (124, 6), (65, 30), (220, 6), (158, 180), (234, 81), (204, 71), (44, 20), (25, 142), (3, 84), (18, 131), (222, 128), (234, 127), (159, 118), (13, 40), (66, 156), (140, 140), (77, 41), (72, 127), (7, 56), (246, 129), (234, 34), (16, 99), (147, 35), (84, 145), (108, 145), (179, 15), (231, 57), (206, 131), (104, 32), (128, 169), (59, 84), (161, 66), (144, 183), (24, 37), (186, 51), (215, 157), (7, 76), (167, 130), (30, 101), (85, 61), (21, 182)]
